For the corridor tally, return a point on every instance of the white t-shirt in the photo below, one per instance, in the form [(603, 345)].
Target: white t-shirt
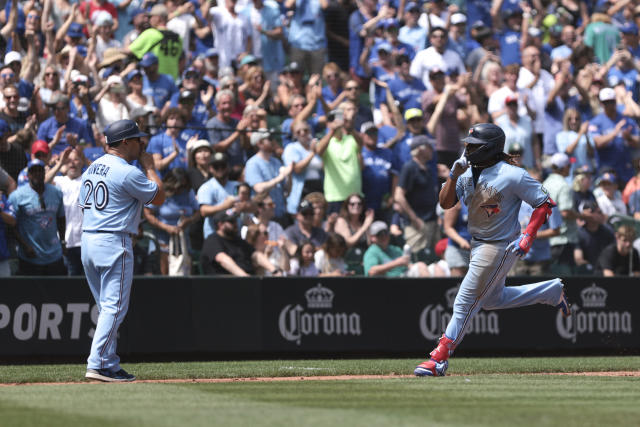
[(497, 98), (182, 25), (429, 58), (231, 34), (538, 94), (70, 191), (108, 112)]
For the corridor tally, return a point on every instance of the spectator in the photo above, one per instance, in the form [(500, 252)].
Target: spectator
[(417, 197), (69, 184), (633, 184), (140, 21), (436, 56), (199, 154), (609, 199), (485, 46), (300, 111), (497, 105), (601, 34), (265, 211), (303, 264), (103, 29), (341, 149), (111, 101), (390, 36), (291, 84), (412, 33), (562, 245), (76, 131), (224, 252), (168, 148), (333, 92), (307, 166), (217, 194), (194, 123), (183, 20), (575, 141), (81, 106), (165, 45), (564, 51), (620, 258), (404, 87), (271, 30), (329, 259), (9, 113), (362, 21), (226, 133), (581, 188), (613, 134), (39, 212), (232, 32), (303, 229), (6, 219), (175, 215), (382, 69), (264, 261), (265, 173), (136, 99), (352, 224), (517, 130), (488, 76), (458, 252), (511, 33), (156, 85), (320, 218), (593, 236), (12, 158), (383, 259), (362, 113), (257, 90), (379, 177), (307, 36)]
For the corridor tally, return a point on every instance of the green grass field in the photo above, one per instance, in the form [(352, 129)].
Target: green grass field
[(490, 391)]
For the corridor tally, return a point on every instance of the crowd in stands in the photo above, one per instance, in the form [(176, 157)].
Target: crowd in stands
[(311, 137)]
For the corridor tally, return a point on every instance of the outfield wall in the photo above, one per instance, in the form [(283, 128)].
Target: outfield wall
[(220, 315)]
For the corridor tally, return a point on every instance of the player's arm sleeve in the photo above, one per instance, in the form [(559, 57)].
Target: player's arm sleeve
[(531, 190), (139, 186)]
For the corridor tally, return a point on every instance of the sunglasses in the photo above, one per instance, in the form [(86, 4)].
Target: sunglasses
[(60, 108), (7, 76), (355, 203), (332, 76), (303, 131), (12, 96), (351, 88)]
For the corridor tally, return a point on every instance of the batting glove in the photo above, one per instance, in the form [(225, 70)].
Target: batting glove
[(521, 245), (459, 166)]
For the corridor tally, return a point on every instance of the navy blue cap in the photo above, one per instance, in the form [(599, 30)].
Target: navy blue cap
[(82, 50), (190, 70), (35, 162), (148, 59), (134, 13), (75, 30), (629, 28), (211, 52), (411, 6), (122, 129), (132, 74), (390, 23)]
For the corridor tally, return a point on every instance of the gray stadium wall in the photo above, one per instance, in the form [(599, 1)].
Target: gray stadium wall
[(325, 316)]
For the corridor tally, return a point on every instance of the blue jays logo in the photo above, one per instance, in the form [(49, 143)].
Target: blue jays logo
[(491, 209)]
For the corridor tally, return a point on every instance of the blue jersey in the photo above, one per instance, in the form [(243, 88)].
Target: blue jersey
[(616, 154), (380, 94), (461, 225), (50, 126), (510, 47), (494, 201), (38, 224), (163, 144), (377, 174), (407, 93), (112, 195), (259, 170), (212, 193), (160, 90)]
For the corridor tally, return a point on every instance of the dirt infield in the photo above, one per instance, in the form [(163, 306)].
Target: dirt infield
[(635, 374)]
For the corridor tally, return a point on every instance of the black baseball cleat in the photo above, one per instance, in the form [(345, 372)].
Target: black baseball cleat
[(109, 376), (564, 304)]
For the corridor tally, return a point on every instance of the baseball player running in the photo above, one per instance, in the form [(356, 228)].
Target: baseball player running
[(112, 195), (493, 190)]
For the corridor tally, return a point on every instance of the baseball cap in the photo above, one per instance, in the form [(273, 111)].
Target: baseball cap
[(607, 94), (377, 227), (134, 13), (192, 146), (412, 113), (560, 160), (367, 127), (34, 163), (259, 136), (248, 59), (148, 59), (293, 67), (101, 18), (412, 6), (385, 46), (627, 28), (606, 177), (478, 24), (419, 141), (75, 30), (305, 207), (458, 18), (122, 129), (511, 98), (159, 10), (390, 23), (535, 32), (190, 70), (583, 170), (40, 146), (219, 159), (12, 57), (211, 52), (114, 80), (132, 74), (435, 72)]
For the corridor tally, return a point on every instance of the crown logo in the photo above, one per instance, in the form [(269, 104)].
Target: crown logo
[(450, 295), (593, 296), (319, 297)]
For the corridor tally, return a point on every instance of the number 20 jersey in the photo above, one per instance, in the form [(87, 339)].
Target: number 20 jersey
[(112, 195)]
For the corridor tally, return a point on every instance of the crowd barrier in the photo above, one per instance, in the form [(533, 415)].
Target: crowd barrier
[(324, 316)]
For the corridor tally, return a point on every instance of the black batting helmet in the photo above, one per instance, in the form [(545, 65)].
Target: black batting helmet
[(491, 139), (122, 129)]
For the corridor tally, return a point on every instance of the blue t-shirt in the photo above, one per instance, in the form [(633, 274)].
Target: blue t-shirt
[(629, 78), (616, 154), (356, 43), (212, 193), (81, 113), (160, 90), (407, 93), (416, 37), (49, 127), (380, 93), (553, 115), (259, 170), (178, 206), (377, 174), (294, 153), (307, 28), (112, 195), (273, 56), (38, 225), (509, 47), (328, 96), (200, 112), (163, 144)]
